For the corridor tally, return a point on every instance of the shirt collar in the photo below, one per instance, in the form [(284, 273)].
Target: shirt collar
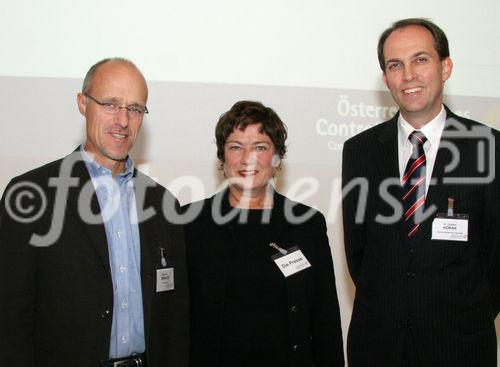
[(96, 170), (432, 130)]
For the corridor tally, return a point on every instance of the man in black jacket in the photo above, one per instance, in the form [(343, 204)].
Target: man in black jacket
[(87, 255), (421, 223)]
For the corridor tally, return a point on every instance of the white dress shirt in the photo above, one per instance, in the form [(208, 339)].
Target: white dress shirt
[(432, 131)]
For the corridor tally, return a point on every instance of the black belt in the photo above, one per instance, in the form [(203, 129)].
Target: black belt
[(135, 360)]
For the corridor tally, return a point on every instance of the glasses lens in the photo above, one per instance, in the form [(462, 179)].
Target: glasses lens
[(136, 110), (110, 106)]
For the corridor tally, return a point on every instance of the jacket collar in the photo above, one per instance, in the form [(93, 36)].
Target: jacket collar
[(391, 126)]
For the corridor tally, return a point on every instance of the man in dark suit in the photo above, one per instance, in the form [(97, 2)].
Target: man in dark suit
[(421, 222), (92, 273)]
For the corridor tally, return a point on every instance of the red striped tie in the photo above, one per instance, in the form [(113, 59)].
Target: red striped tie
[(414, 184)]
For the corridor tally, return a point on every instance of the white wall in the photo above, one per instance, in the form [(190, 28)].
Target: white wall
[(318, 43)]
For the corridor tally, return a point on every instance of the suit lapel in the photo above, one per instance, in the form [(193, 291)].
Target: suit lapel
[(149, 247), (387, 163), (146, 200), (95, 232), (387, 155), (436, 190), (278, 217), (438, 193)]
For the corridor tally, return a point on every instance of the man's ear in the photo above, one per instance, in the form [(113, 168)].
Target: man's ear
[(384, 78), (446, 68), (80, 100)]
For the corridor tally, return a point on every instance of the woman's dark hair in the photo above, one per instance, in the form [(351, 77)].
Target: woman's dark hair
[(244, 113)]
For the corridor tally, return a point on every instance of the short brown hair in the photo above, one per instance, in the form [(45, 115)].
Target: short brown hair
[(244, 113), (440, 40)]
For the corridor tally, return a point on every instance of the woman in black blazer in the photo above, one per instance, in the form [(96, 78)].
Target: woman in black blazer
[(260, 268)]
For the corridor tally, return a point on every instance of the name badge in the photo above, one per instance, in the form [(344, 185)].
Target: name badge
[(292, 262), (164, 279), (451, 228)]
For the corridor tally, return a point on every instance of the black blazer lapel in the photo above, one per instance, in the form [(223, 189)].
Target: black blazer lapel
[(282, 207), (387, 163), (149, 243), (387, 152), (438, 192), (95, 232)]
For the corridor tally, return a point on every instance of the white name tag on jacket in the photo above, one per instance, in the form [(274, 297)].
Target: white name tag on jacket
[(451, 228), (164, 279), (291, 263)]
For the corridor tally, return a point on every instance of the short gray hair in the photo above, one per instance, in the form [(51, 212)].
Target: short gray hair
[(87, 82)]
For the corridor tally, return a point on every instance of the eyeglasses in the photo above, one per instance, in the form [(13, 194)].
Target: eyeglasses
[(111, 106)]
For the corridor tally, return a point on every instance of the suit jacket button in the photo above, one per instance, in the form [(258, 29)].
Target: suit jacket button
[(293, 308), (409, 274), (295, 348), (105, 314)]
